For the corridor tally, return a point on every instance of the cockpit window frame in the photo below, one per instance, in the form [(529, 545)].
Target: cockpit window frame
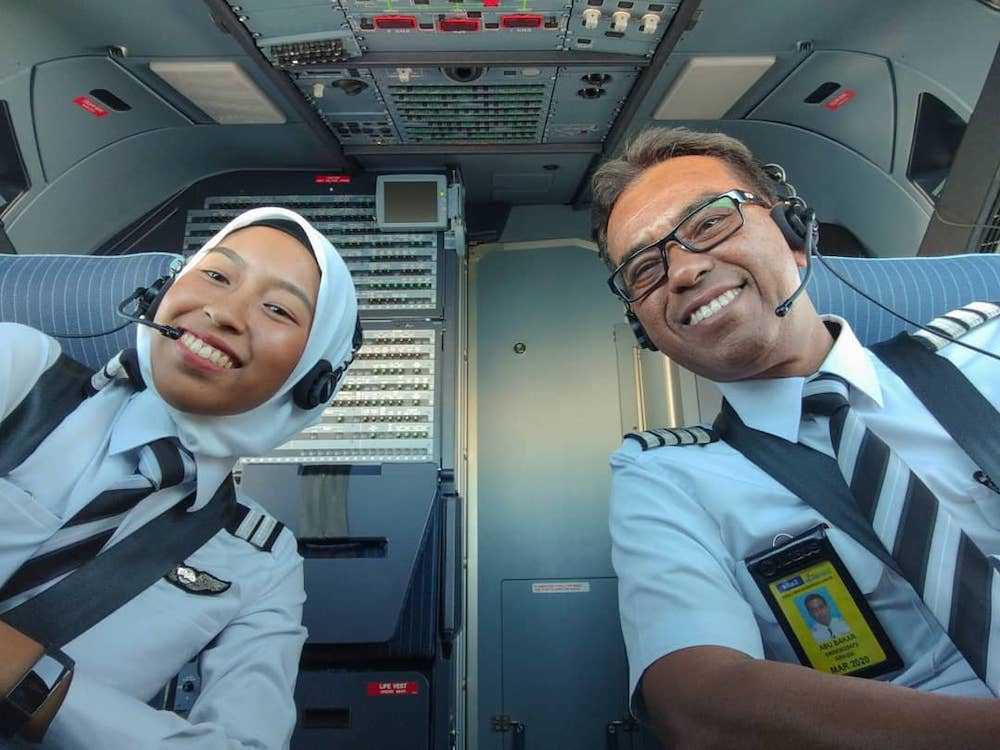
[(17, 175)]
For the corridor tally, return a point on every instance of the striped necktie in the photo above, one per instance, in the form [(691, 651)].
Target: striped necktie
[(956, 581), (162, 463)]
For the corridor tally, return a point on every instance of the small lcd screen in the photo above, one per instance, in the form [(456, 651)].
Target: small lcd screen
[(411, 202)]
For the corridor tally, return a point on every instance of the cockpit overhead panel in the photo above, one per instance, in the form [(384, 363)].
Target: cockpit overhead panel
[(427, 72)]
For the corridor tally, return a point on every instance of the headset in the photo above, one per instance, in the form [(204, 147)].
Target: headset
[(798, 225), (314, 388), (147, 301)]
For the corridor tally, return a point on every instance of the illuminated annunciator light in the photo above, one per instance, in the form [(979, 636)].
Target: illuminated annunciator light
[(591, 17)]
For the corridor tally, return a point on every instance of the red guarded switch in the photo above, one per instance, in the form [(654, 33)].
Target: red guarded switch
[(390, 22), (459, 24)]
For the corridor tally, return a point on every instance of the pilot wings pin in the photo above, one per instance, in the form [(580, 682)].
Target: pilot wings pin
[(195, 581)]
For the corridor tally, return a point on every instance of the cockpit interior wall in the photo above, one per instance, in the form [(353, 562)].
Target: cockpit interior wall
[(504, 371), (520, 97)]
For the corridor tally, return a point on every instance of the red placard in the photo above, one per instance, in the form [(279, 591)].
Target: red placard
[(332, 179), (89, 105), (840, 99), (393, 688)]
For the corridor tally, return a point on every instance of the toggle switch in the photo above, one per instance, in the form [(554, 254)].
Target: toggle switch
[(649, 23), (619, 21), (591, 17)]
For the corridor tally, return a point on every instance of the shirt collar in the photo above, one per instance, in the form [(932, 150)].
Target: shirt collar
[(774, 405), (144, 418)]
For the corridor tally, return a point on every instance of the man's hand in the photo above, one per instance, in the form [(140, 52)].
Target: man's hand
[(708, 697)]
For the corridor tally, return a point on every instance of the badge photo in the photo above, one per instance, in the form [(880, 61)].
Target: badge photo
[(820, 608)]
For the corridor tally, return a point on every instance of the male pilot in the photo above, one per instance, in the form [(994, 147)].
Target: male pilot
[(824, 626), (684, 221)]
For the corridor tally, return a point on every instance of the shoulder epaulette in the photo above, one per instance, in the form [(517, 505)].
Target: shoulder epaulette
[(662, 436), (255, 527), (956, 324)]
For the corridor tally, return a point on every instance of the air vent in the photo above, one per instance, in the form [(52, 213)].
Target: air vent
[(350, 86), (457, 114), (707, 87), (821, 92), (109, 99), (222, 90)]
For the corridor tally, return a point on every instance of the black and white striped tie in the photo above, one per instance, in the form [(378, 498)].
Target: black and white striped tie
[(162, 463), (956, 580)]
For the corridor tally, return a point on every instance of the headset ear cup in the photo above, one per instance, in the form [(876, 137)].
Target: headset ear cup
[(640, 333), (153, 296), (790, 218), (316, 386)]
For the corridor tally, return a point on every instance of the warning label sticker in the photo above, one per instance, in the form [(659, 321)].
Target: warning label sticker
[(90, 105), (393, 688), (561, 587), (840, 99)]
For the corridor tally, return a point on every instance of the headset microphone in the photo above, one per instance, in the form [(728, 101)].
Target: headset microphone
[(139, 314), (812, 229)]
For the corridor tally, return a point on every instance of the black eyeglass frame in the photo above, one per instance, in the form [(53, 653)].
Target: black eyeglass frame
[(739, 197)]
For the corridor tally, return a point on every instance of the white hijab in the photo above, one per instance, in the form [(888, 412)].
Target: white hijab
[(252, 433)]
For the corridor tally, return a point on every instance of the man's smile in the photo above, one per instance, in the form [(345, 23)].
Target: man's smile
[(712, 307)]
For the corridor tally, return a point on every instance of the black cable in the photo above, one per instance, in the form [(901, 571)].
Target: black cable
[(901, 317), (90, 335)]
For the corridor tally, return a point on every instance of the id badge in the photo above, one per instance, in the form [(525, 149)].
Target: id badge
[(820, 608)]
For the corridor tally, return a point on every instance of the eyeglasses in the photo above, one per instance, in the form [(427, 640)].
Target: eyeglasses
[(705, 227)]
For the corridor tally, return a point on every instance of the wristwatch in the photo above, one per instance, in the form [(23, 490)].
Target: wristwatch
[(37, 684)]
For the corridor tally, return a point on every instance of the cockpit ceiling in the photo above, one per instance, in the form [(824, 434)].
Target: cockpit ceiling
[(426, 72)]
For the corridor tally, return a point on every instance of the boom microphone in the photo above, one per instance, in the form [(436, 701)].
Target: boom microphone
[(812, 229), (139, 316)]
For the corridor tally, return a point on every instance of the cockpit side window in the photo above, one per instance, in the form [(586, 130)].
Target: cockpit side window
[(937, 133), (13, 177)]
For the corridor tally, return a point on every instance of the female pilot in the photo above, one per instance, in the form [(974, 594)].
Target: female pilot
[(266, 313)]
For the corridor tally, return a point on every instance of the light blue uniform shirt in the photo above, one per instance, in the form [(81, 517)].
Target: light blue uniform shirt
[(248, 673), (683, 520)]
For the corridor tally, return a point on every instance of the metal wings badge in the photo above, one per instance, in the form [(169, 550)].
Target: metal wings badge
[(195, 581)]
